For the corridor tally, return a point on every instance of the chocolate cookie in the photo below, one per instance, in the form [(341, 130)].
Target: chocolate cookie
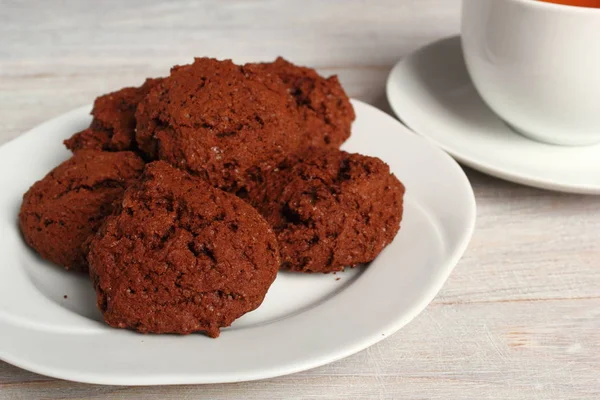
[(323, 105), (220, 121), (181, 256), (113, 126), (61, 211), (330, 209)]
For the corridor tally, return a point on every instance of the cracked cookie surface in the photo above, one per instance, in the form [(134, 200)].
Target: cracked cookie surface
[(180, 256), (61, 211), (113, 124), (323, 106), (330, 209), (219, 121)]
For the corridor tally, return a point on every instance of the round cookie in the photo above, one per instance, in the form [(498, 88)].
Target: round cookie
[(61, 211), (181, 256), (219, 121), (330, 209), (113, 125), (323, 105)]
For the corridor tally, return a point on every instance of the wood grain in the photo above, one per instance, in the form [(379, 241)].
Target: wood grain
[(520, 316)]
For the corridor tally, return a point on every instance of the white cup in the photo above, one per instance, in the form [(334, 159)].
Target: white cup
[(537, 66)]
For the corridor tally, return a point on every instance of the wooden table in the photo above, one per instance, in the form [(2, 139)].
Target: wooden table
[(520, 316)]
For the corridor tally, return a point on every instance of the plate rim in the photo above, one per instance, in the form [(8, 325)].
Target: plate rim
[(427, 295), (477, 164)]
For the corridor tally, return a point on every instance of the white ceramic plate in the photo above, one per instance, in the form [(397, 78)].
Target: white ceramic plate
[(431, 92), (305, 321)]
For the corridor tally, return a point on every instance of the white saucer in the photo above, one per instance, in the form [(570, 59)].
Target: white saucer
[(305, 321), (431, 92)]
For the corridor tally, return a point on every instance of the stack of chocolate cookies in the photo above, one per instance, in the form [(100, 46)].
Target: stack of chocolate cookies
[(186, 195)]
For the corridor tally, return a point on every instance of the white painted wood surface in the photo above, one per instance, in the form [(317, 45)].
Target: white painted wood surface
[(520, 316)]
